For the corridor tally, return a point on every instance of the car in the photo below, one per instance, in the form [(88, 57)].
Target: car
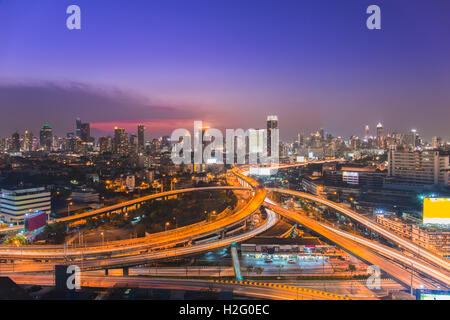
[(290, 261), (268, 261)]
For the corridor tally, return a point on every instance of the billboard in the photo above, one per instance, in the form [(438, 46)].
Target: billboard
[(432, 295), (436, 210), (35, 221)]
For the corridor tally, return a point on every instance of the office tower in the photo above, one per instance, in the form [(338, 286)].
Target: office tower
[(419, 167), (85, 132), (28, 141), (120, 141), (367, 132), (165, 143), (15, 142), (272, 123), (156, 147), (46, 138), (322, 134), (141, 138), (78, 128), (436, 142), (16, 203), (105, 144), (133, 145), (380, 135)]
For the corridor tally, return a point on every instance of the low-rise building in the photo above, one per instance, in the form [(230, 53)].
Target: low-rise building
[(16, 203)]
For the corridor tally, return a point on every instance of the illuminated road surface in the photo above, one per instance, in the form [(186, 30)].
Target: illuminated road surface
[(262, 292), (364, 252), (142, 258), (424, 253)]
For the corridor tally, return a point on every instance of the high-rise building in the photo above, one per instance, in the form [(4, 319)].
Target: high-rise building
[(141, 138), (436, 142), (380, 135), (85, 132), (120, 141), (78, 128), (15, 204), (15, 142), (105, 144), (46, 138), (419, 167), (367, 132), (133, 145), (28, 141), (272, 123)]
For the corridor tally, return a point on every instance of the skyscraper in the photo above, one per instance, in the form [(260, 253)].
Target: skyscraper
[(15, 142), (141, 138), (46, 138), (380, 135), (78, 128), (28, 142), (272, 123), (85, 132), (367, 132), (120, 141)]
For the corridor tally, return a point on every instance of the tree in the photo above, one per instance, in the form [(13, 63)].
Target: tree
[(56, 232), (259, 270), (249, 269), (351, 268)]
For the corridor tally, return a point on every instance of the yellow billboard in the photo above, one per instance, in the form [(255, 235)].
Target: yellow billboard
[(436, 210)]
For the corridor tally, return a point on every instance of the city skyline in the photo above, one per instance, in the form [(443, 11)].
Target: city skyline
[(218, 62)]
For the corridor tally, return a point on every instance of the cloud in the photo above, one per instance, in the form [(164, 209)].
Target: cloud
[(30, 105)]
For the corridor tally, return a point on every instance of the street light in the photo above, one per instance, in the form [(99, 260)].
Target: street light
[(174, 180), (167, 225), (68, 208), (103, 238)]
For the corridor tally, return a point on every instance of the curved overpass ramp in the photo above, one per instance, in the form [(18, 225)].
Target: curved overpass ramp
[(402, 242)]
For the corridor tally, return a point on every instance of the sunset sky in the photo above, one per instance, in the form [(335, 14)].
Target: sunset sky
[(229, 63)]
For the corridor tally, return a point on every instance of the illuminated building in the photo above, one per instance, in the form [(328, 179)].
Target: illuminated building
[(16, 203), (28, 141), (272, 123), (15, 142), (120, 141), (85, 132), (46, 138), (380, 135), (419, 167), (141, 138)]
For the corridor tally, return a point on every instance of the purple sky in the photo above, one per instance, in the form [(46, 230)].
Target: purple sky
[(227, 62)]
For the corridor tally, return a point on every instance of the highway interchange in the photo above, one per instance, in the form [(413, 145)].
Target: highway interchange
[(431, 270)]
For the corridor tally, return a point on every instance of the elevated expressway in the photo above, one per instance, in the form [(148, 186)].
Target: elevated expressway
[(398, 240), (158, 246), (373, 253), (123, 206), (253, 289)]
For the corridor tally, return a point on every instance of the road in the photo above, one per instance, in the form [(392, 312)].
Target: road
[(402, 242), (361, 250), (126, 204), (143, 258), (261, 291)]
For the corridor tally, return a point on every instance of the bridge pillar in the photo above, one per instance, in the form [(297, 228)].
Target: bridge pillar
[(125, 271)]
